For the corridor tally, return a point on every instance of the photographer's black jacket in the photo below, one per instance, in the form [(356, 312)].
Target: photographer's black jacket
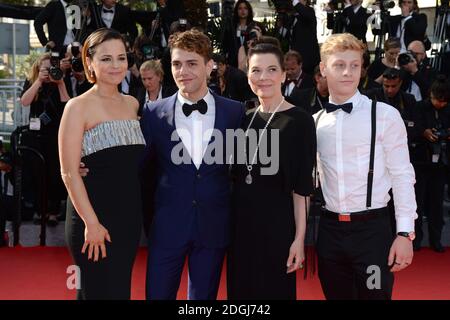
[(53, 15), (351, 22), (424, 77), (308, 99), (430, 118), (48, 101), (415, 27), (304, 37)]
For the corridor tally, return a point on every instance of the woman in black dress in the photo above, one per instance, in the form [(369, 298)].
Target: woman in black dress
[(100, 128), (269, 216)]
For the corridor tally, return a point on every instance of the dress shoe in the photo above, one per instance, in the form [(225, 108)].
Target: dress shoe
[(438, 248)]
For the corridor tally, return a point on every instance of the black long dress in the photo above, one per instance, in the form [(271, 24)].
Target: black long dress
[(263, 211), (111, 151)]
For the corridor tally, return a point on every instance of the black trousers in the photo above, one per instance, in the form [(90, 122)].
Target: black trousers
[(353, 258), (430, 183)]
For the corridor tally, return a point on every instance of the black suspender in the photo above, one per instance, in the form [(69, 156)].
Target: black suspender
[(372, 154)]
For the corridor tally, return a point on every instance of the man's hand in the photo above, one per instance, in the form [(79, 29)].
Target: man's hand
[(429, 135), (401, 254)]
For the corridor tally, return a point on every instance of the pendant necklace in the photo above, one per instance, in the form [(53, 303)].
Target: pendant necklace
[(248, 178)]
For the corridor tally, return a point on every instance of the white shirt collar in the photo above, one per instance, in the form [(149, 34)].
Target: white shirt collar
[(63, 3), (158, 98)]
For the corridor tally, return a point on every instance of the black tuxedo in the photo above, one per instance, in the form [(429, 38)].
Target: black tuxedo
[(122, 21), (303, 37), (305, 81), (54, 16), (236, 85), (308, 99), (415, 27), (351, 22), (167, 91)]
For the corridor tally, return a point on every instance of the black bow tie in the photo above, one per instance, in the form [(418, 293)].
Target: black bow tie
[(108, 11), (200, 106), (294, 81), (347, 107)]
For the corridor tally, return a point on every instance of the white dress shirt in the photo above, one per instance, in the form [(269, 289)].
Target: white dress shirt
[(108, 17), (125, 85), (343, 151), (195, 131), (401, 32), (69, 38)]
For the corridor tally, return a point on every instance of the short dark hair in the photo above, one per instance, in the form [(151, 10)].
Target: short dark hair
[(218, 58), (89, 48), (440, 89), (292, 54), (392, 73), (267, 48)]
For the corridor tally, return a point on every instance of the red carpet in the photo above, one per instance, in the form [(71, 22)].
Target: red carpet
[(40, 273)]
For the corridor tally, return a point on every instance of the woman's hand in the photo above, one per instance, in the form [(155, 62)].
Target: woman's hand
[(296, 256), (95, 235), (43, 75)]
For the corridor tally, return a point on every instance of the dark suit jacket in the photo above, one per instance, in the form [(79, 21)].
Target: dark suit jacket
[(415, 27), (122, 21), (184, 195), (306, 81), (307, 99), (351, 22), (53, 15), (237, 87), (167, 91), (304, 37)]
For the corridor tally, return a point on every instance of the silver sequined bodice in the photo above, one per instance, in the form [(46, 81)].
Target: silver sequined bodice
[(110, 134)]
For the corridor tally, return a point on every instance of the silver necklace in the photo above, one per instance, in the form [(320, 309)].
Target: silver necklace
[(248, 178)]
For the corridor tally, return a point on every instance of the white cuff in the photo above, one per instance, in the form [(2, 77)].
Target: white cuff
[(405, 224), (295, 2)]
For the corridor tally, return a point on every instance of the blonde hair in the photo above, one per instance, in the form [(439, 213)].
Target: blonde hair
[(340, 42), (35, 68), (155, 66)]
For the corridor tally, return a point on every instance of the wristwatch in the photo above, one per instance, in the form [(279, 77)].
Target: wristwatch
[(410, 235)]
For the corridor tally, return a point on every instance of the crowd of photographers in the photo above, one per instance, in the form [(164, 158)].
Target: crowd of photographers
[(401, 77)]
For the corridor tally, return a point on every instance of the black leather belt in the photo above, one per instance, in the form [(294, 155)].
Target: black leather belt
[(355, 216)]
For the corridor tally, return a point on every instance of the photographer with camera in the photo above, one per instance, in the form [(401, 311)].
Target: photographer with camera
[(433, 161), (419, 70), (74, 78), (46, 94), (303, 35), (414, 82), (353, 19), (392, 48), (231, 82), (6, 190), (410, 25), (54, 15), (250, 39)]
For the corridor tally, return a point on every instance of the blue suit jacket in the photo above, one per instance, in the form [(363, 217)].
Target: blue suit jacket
[(189, 204)]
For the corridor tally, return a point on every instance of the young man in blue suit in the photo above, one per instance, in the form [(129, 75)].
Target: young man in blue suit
[(192, 207)]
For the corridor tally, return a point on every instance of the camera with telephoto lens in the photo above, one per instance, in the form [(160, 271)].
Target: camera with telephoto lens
[(405, 58), (442, 134), (76, 62), (386, 4), (55, 71)]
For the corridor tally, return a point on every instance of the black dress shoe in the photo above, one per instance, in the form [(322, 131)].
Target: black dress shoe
[(438, 248)]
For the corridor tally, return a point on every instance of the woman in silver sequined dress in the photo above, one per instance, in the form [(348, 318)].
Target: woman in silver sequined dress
[(100, 128)]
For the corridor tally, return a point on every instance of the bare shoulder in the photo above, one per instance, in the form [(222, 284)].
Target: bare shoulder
[(77, 108), (132, 102)]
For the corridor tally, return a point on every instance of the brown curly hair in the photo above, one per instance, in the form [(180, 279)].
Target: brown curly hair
[(192, 41)]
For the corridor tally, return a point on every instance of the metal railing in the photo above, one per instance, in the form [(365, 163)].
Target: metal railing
[(12, 113)]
